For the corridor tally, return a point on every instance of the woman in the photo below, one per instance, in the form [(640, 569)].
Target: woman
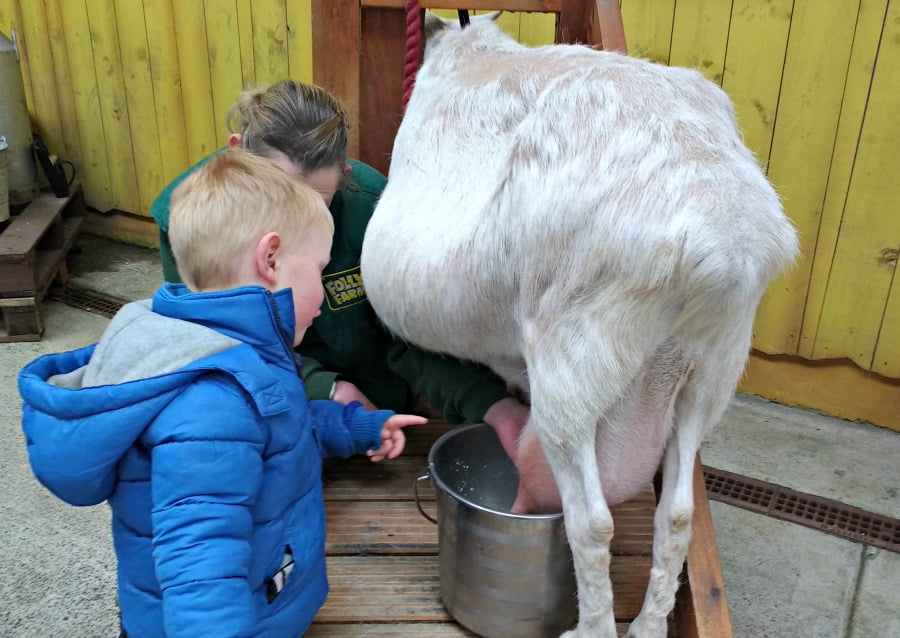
[(348, 355)]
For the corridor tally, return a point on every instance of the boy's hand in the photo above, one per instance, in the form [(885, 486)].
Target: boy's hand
[(346, 393), (392, 437)]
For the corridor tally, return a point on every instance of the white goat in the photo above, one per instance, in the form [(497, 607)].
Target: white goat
[(592, 227)]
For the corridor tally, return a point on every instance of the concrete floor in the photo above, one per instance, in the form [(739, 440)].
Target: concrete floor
[(782, 580)]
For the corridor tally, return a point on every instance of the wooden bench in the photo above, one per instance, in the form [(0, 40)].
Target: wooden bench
[(33, 250)]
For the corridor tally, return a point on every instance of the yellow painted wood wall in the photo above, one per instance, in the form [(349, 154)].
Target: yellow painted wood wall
[(134, 91)]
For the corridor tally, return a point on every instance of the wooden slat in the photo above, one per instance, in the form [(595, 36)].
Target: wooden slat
[(757, 41), (135, 53), (701, 608), (196, 86), (573, 22), (812, 89), (648, 28), (383, 47), (537, 29), (110, 86), (862, 304), (358, 479), (37, 51), (71, 148), (336, 36), (379, 527), (82, 84), (300, 44), (633, 521), (224, 60), (270, 41), (383, 589), (853, 112), (168, 105), (244, 9), (420, 438), (24, 231), (700, 35), (364, 497), (405, 630), (387, 589), (549, 6)]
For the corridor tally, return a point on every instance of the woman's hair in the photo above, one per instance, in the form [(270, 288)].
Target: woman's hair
[(223, 208), (303, 121)]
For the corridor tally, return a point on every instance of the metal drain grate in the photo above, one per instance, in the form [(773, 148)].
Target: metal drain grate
[(86, 299), (812, 511)]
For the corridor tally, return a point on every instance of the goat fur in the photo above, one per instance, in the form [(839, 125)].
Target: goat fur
[(592, 227)]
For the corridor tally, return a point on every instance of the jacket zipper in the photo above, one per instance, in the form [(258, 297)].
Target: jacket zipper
[(285, 340)]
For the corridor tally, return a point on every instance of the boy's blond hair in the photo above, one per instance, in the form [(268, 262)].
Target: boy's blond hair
[(222, 209)]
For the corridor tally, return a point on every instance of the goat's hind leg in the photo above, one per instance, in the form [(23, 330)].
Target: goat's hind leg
[(571, 388), (699, 406)]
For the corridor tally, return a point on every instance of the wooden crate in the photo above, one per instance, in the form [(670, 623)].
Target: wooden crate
[(33, 250), (383, 555)]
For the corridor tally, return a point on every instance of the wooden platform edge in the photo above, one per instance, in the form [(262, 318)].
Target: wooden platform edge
[(701, 608)]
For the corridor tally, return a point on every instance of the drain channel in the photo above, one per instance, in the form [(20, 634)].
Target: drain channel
[(85, 299), (826, 515)]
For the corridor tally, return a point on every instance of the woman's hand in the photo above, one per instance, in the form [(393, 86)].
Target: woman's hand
[(392, 438), (346, 393)]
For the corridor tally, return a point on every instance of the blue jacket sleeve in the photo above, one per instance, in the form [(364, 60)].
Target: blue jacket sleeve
[(345, 430), (206, 474)]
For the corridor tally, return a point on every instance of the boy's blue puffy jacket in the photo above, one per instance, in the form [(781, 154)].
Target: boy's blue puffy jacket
[(190, 419)]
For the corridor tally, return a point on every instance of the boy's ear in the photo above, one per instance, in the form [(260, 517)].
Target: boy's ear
[(234, 139), (266, 258)]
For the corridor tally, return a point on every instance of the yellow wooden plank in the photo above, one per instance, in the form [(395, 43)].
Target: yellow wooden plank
[(699, 36), (648, 28), (856, 94), (196, 86), (245, 28), (836, 387), (139, 97), (854, 318), (21, 40), (757, 41), (509, 21), (537, 29), (299, 20), (7, 11), (94, 169), (110, 84), (224, 62), (68, 118), (44, 109), (270, 41), (812, 89), (166, 87)]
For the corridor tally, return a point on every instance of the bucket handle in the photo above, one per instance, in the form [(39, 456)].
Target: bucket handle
[(418, 502)]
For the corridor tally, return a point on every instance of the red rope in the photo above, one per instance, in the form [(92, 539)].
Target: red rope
[(413, 47)]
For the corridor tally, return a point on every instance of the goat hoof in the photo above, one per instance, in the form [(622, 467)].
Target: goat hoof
[(587, 630), (642, 628)]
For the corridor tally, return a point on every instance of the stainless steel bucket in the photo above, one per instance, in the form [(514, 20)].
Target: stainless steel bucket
[(502, 575)]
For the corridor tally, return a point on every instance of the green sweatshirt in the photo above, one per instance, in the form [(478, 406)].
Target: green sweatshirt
[(347, 340)]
